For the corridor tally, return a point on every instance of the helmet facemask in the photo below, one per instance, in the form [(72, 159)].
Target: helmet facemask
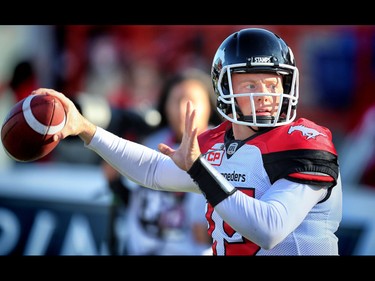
[(227, 103)]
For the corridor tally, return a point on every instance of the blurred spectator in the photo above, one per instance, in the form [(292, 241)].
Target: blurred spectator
[(358, 152), (105, 69), (32, 43), (7, 100), (167, 223), (24, 80), (131, 125)]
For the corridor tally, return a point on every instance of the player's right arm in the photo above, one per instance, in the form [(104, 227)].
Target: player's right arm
[(141, 164), (137, 162), (76, 124)]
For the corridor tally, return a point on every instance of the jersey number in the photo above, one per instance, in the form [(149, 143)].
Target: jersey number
[(232, 243)]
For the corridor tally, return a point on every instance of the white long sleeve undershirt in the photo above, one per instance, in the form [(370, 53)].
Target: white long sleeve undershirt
[(266, 221), (270, 219), (141, 164)]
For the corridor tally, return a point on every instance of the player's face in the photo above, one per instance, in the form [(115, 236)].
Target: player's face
[(265, 105)]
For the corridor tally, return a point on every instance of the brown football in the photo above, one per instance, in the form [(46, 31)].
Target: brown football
[(27, 130)]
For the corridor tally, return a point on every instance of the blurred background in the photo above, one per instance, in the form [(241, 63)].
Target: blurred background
[(62, 204)]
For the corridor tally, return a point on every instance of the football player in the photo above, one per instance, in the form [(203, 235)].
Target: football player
[(271, 180)]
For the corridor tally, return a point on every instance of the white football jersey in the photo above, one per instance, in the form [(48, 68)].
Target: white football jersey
[(301, 152)]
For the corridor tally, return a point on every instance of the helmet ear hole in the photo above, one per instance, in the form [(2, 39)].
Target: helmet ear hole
[(225, 85), (223, 106), (287, 81), (226, 108)]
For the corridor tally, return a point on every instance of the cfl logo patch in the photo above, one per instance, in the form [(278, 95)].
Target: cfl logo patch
[(232, 148), (214, 157)]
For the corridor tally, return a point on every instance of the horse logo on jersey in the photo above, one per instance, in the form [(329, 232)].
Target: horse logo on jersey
[(309, 133)]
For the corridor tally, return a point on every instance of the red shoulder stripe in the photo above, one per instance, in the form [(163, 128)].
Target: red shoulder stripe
[(310, 177)]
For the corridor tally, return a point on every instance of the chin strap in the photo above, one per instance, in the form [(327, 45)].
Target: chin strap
[(267, 119), (250, 119), (255, 131)]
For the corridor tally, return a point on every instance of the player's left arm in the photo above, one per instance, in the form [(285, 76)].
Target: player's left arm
[(270, 219), (265, 221)]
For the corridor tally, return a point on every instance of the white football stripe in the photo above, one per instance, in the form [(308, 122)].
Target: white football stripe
[(34, 123)]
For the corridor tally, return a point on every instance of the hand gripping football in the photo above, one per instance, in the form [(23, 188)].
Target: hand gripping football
[(27, 130)]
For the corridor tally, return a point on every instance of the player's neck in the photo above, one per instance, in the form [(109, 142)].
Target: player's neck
[(241, 132)]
